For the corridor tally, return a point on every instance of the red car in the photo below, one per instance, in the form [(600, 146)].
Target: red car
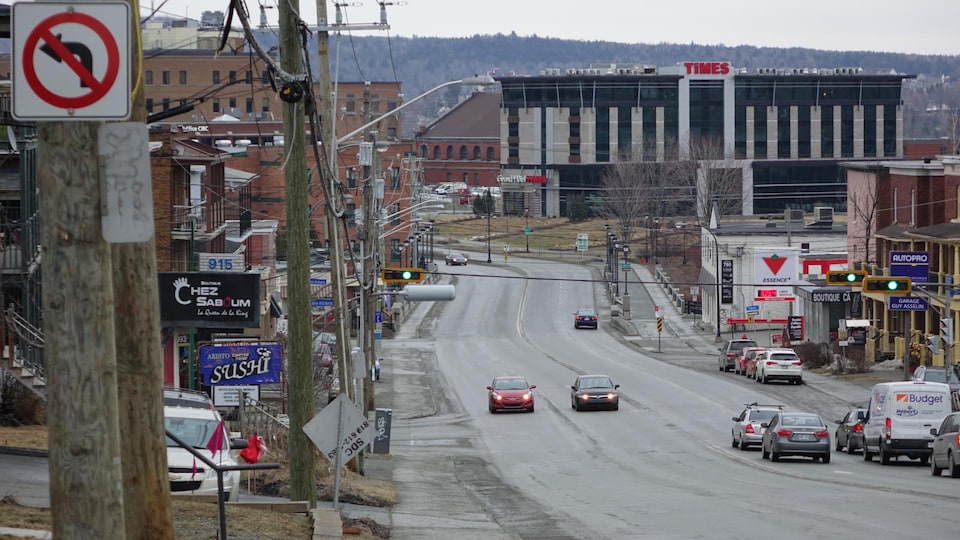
[(740, 364), (510, 394)]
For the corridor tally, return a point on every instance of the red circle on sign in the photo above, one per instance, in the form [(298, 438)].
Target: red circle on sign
[(98, 88)]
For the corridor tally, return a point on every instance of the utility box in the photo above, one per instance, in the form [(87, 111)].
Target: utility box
[(382, 421)]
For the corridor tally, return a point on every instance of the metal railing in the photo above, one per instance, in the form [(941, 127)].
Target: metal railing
[(220, 469)]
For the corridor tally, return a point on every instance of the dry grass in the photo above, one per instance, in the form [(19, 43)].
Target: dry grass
[(33, 437)]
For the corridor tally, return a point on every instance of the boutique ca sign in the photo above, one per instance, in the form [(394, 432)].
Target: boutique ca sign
[(209, 299)]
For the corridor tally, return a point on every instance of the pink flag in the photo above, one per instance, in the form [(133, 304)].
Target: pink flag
[(215, 444)]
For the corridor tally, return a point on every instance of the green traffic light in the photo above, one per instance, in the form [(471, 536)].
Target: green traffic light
[(406, 274), (851, 278), (893, 285)]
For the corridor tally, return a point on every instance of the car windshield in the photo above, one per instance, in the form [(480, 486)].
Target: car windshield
[(783, 356), (194, 431), (595, 382), (510, 384), (456, 256), (585, 313)]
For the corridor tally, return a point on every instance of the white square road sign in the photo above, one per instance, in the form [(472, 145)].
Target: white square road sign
[(71, 61), (355, 431)]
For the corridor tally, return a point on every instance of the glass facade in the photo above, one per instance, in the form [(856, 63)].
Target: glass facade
[(798, 184)]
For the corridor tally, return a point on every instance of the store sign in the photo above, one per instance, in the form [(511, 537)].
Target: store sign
[(239, 364), (795, 327), (776, 266), (829, 296), (726, 280), (912, 264), (908, 303), (209, 299)]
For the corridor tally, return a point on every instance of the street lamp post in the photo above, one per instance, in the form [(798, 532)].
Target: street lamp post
[(616, 266), (626, 272), (487, 199), (646, 237), (683, 244), (526, 226)]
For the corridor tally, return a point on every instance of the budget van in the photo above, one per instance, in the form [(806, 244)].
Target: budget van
[(900, 416)]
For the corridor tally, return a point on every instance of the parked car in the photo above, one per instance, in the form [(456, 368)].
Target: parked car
[(594, 392), (740, 365), (945, 453), (938, 374), (201, 428), (747, 430), (585, 318), (849, 432), (510, 394), (751, 361), (779, 365), (900, 416), (731, 349), (455, 258), (796, 434)]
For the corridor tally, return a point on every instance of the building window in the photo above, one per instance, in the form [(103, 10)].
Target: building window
[(394, 178), (826, 131), (396, 250), (476, 179), (890, 131), (450, 152), (265, 78), (233, 103), (148, 77), (846, 131), (166, 104), (436, 152), (869, 131), (165, 78), (783, 132), (216, 104), (216, 76), (149, 105), (395, 212), (233, 76), (374, 103), (603, 134), (392, 132), (248, 77), (803, 131), (491, 153), (466, 178), (423, 151), (352, 215), (183, 77), (351, 178), (477, 155), (351, 103), (249, 105), (265, 105), (463, 153), (624, 133)]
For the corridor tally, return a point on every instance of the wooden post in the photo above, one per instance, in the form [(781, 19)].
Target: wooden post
[(146, 486), (86, 497), (303, 473)]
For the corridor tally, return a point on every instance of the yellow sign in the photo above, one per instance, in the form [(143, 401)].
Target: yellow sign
[(659, 324), (749, 318)]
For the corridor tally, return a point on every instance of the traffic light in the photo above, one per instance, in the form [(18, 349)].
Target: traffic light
[(887, 285), (933, 344), (402, 275), (845, 277), (946, 330)]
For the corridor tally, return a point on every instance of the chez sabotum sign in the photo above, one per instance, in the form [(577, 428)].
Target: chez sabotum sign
[(209, 299), (240, 363)]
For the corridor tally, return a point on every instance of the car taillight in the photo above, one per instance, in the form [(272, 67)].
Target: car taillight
[(858, 428), (887, 429), (958, 439), (798, 363), (823, 434), (730, 355), (578, 317), (749, 429), (594, 318), (784, 432), (771, 362)]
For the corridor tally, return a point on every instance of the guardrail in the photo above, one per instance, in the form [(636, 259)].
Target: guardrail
[(220, 469)]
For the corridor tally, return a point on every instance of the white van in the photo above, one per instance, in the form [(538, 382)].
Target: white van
[(900, 416)]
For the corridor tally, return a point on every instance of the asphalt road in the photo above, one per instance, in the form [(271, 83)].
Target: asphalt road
[(661, 466)]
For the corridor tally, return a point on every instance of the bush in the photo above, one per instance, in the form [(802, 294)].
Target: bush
[(814, 355)]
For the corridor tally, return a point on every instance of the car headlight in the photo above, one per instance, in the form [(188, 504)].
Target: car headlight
[(528, 395), (611, 395), (497, 396), (584, 396)]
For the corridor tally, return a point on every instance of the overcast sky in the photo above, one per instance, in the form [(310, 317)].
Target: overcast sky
[(919, 26)]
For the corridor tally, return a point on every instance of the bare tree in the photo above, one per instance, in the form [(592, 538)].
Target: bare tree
[(631, 190), (707, 175), (863, 205)]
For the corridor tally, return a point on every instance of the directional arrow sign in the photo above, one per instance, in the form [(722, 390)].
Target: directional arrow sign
[(81, 51)]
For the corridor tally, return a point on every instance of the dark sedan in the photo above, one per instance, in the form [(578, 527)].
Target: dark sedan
[(594, 392), (455, 259), (585, 318), (795, 434), (510, 394), (849, 433)]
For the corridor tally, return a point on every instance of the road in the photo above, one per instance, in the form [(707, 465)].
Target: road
[(662, 466)]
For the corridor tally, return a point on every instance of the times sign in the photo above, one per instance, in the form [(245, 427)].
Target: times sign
[(726, 281)]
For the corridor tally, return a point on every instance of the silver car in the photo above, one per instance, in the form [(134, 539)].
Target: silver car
[(747, 427), (796, 434), (946, 447)]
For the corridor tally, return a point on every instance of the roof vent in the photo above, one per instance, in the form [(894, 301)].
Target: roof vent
[(822, 218)]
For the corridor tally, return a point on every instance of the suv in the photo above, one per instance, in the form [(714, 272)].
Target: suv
[(946, 447), (779, 364), (731, 350), (938, 374), (747, 428), (194, 420)]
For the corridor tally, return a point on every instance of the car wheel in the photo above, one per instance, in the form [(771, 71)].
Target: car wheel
[(934, 470), (721, 367), (763, 452), (763, 378), (825, 459), (774, 454), (743, 446), (867, 455), (884, 456), (734, 443), (952, 467), (575, 405), (530, 409), (850, 447), (490, 407), (838, 446)]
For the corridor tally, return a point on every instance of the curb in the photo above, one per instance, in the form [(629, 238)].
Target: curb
[(30, 452)]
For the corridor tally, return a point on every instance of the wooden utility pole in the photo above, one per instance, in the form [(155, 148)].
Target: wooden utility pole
[(303, 469), (86, 495), (146, 487)]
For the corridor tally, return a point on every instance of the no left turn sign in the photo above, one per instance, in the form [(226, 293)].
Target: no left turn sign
[(71, 61)]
